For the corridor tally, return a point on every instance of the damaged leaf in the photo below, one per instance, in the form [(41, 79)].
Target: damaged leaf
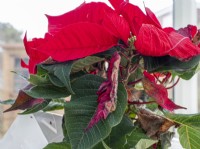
[(107, 92), (153, 124), (24, 101), (85, 101), (158, 92)]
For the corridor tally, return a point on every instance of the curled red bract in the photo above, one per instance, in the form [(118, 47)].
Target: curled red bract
[(158, 92), (107, 92)]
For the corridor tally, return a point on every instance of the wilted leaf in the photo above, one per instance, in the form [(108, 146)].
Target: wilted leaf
[(153, 124), (24, 101), (36, 107), (158, 92), (85, 101), (107, 92), (189, 129)]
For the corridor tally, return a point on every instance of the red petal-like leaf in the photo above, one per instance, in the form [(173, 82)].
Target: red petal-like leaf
[(24, 101), (133, 14), (92, 12), (117, 25), (107, 93), (23, 64), (183, 48), (152, 18), (152, 41), (190, 31), (36, 56), (135, 17), (117, 4), (159, 93), (77, 41)]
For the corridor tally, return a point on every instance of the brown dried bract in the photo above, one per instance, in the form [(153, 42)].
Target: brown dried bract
[(153, 124)]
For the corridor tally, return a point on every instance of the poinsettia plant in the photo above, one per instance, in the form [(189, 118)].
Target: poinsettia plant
[(110, 70)]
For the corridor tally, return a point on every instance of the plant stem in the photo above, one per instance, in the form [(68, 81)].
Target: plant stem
[(174, 84), (138, 102), (134, 82)]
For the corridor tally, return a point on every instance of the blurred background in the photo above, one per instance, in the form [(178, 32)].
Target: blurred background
[(20, 16)]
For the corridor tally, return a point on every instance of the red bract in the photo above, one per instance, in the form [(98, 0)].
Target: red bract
[(107, 93), (189, 31), (158, 92), (89, 29), (151, 38), (35, 55)]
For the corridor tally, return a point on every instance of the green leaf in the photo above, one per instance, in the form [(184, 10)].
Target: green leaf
[(64, 130), (55, 104), (117, 137), (85, 62), (36, 107), (80, 110), (47, 92), (62, 72), (76, 75), (60, 145), (166, 63), (189, 129), (40, 70), (105, 145), (39, 80), (145, 143), (135, 136), (55, 80), (108, 53), (189, 74), (7, 102)]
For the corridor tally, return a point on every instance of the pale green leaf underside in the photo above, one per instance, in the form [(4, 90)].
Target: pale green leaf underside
[(81, 109), (189, 130), (145, 143), (136, 138), (55, 104)]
